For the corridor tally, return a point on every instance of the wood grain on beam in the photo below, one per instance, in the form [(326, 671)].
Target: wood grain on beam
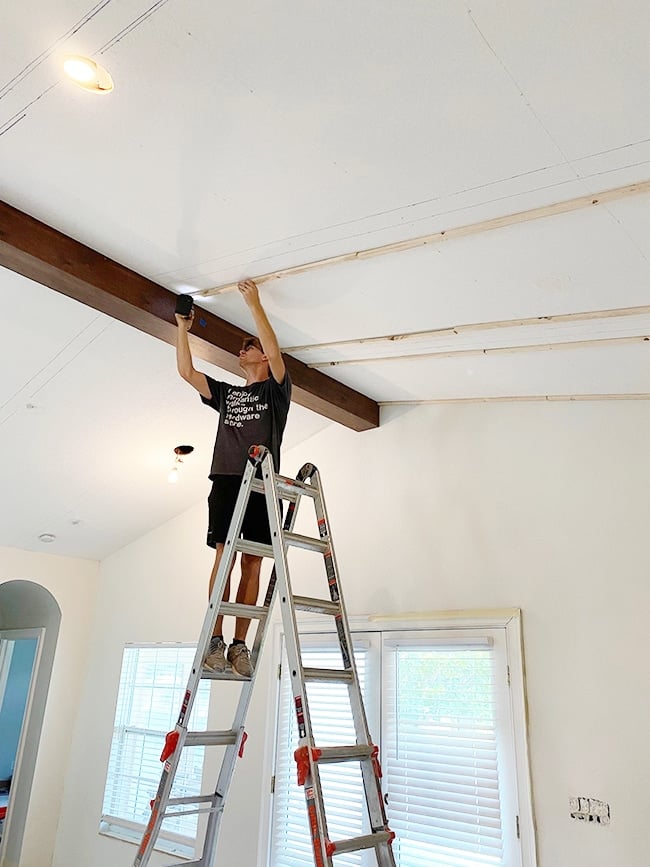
[(47, 256)]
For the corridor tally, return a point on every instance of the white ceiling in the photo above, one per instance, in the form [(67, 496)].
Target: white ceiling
[(249, 137)]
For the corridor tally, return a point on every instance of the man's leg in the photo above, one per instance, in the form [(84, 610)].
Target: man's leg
[(216, 658), (249, 588), (238, 653), (218, 627)]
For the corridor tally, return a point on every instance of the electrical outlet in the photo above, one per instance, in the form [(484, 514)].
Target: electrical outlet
[(589, 810)]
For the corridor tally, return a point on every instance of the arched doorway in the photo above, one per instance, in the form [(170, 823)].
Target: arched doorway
[(28, 612)]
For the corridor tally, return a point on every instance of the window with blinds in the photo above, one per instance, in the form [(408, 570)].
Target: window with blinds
[(341, 784), (440, 755), (152, 685), (447, 751)]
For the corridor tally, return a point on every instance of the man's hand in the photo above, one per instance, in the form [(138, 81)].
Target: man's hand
[(250, 292), (184, 322)]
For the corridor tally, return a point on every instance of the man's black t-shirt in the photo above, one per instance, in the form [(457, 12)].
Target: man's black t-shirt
[(248, 415)]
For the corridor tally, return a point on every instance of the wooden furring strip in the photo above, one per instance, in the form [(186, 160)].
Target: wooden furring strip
[(553, 210)]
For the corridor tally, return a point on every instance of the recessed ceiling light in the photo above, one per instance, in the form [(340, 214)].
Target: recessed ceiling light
[(88, 74), (47, 537)]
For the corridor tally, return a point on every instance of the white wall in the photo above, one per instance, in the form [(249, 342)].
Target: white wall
[(73, 584), (540, 506)]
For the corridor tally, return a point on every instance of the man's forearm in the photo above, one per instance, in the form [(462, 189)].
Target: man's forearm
[(265, 330), (183, 354)]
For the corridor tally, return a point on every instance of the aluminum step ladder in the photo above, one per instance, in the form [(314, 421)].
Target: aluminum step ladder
[(308, 756)]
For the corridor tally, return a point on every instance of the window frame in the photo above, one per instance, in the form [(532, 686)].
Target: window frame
[(169, 842), (506, 620)]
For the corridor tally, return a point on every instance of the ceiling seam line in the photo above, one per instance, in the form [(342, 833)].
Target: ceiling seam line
[(519, 89), (50, 362), (371, 217), (70, 360), (133, 25)]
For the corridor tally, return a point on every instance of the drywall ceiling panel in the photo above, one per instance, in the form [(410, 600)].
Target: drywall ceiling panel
[(63, 328), (581, 66), (204, 148)]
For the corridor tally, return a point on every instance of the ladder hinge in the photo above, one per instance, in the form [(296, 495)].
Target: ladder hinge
[(517, 819), (273, 792), (508, 674)]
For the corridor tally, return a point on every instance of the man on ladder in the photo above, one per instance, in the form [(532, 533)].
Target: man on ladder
[(252, 414)]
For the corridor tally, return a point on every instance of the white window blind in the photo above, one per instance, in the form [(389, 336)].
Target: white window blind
[(152, 685), (342, 787), (439, 752)]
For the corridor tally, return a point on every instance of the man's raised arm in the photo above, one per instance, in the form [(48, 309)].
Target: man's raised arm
[(265, 332), (184, 357)]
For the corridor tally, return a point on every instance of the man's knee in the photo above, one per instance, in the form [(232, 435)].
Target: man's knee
[(250, 563)]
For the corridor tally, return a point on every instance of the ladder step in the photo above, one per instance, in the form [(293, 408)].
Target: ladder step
[(228, 674), (196, 811), (238, 610), (307, 542), (365, 841), (256, 548), (344, 754), (199, 799), (319, 606), (340, 675), (288, 489), (210, 739), (295, 539)]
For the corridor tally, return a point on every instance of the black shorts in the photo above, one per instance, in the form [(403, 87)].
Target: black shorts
[(221, 505)]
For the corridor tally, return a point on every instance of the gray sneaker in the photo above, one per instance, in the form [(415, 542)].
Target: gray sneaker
[(216, 658), (240, 658)]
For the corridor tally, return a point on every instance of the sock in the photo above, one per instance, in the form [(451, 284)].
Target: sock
[(236, 641)]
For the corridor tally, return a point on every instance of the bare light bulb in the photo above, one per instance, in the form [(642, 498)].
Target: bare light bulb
[(88, 74), (173, 475), (80, 70)]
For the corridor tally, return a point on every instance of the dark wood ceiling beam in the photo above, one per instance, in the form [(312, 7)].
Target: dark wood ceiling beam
[(44, 254)]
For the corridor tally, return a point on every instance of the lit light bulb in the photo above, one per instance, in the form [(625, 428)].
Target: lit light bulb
[(87, 74), (80, 70), (173, 475)]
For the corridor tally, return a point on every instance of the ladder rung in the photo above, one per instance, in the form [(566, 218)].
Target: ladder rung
[(198, 811), (344, 754), (365, 841), (210, 739), (260, 550), (238, 610), (320, 606), (288, 489), (199, 799), (256, 548), (341, 675), (188, 864), (307, 542)]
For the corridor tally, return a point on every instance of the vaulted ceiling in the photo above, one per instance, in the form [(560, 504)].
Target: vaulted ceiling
[(507, 145)]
